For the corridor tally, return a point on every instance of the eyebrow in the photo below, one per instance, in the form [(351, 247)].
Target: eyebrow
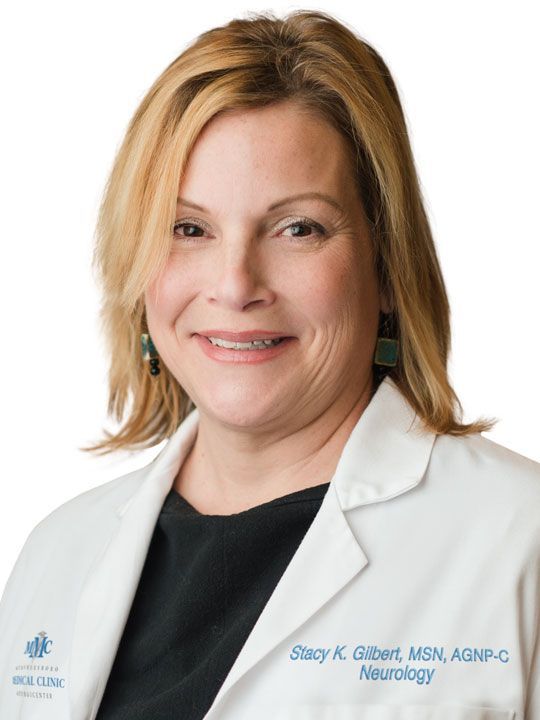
[(301, 196)]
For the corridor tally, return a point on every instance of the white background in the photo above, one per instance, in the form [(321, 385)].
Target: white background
[(72, 75)]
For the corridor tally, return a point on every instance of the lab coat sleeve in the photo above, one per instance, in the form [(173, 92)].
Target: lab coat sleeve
[(532, 704), (533, 700), (530, 605), (14, 591)]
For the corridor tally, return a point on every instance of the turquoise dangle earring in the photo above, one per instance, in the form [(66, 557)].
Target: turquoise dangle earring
[(150, 353), (387, 349)]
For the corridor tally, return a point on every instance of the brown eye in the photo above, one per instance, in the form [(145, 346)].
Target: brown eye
[(316, 230), (188, 225), (300, 225)]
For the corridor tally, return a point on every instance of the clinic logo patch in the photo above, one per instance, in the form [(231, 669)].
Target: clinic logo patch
[(39, 646)]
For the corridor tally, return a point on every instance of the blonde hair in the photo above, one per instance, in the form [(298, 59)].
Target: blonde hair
[(311, 58)]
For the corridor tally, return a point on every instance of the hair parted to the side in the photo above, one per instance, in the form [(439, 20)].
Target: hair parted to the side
[(312, 58)]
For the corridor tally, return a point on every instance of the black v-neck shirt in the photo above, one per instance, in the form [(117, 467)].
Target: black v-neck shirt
[(205, 581)]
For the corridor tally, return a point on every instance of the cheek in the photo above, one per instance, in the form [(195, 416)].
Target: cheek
[(166, 295), (340, 289)]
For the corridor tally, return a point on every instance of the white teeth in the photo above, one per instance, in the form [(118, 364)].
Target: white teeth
[(254, 345)]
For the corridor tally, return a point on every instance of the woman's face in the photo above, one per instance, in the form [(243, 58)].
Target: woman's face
[(252, 258)]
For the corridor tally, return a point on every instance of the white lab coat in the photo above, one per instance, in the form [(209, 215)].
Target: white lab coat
[(414, 595)]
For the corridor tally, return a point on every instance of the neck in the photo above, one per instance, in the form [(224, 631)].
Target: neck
[(228, 470)]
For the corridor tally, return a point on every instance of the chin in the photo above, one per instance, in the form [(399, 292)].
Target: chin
[(241, 411)]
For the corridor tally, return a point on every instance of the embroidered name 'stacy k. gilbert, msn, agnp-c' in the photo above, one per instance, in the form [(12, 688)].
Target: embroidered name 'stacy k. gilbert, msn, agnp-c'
[(39, 677)]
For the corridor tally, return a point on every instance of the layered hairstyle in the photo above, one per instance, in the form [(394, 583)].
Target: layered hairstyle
[(323, 65)]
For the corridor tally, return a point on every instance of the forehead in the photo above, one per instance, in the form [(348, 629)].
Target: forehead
[(277, 149)]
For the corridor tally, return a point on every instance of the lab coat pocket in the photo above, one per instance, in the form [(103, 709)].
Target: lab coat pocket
[(393, 712)]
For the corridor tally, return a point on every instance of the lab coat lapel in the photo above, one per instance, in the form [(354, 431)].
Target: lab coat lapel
[(385, 455), (110, 587), (326, 560)]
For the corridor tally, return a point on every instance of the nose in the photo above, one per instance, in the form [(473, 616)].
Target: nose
[(240, 275)]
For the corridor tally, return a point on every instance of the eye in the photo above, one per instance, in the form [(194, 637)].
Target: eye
[(178, 225), (306, 223)]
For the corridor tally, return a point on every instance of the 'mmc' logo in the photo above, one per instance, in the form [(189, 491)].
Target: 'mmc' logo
[(39, 646)]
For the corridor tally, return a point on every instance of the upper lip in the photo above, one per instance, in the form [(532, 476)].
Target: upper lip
[(244, 336)]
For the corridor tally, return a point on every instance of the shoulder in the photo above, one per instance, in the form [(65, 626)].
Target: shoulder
[(489, 484), (88, 515), (68, 539), (482, 458)]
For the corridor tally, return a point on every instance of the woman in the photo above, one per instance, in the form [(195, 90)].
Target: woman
[(320, 537)]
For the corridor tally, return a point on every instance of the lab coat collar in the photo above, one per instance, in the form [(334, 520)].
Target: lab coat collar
[(387, 452), (385, 455)]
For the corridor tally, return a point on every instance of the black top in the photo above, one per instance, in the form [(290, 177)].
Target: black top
[(205, 581)]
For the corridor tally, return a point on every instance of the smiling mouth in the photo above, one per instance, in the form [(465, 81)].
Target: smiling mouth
[(242, 336), (250, 351), (250, 345)]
